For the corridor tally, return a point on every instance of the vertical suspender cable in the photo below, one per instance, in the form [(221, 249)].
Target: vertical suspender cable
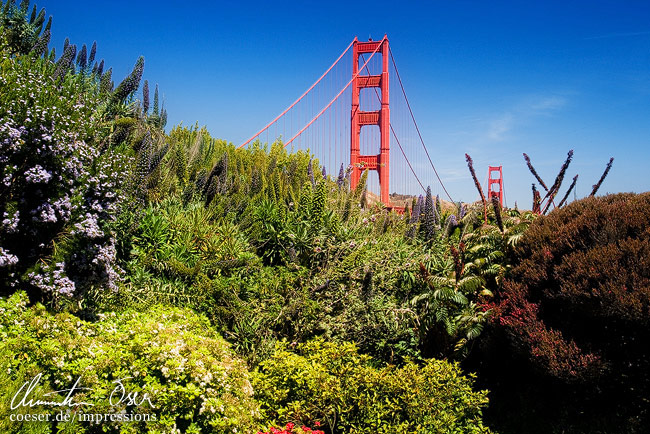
[(416, 126), (298, 100), (336, 97), (393, 131)]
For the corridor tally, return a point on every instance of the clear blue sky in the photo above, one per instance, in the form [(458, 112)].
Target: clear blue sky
[(493, 79)]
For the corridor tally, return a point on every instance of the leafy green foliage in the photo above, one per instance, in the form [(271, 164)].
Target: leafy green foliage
[(23, 32), (58, 191), (469, 261), (193, 380), (334, 385), (66, 167)]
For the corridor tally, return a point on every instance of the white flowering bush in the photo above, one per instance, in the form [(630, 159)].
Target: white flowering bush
[(58, 191), (192, 380)]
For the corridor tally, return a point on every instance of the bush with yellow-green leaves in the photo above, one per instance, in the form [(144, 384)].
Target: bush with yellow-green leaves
[(181, 374), (334, 385)]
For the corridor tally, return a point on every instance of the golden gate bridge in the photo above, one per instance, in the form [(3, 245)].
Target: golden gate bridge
[(347, 119)]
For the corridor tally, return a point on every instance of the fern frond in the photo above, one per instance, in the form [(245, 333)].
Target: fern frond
[(513, 240), (459, 298), (470, 284)]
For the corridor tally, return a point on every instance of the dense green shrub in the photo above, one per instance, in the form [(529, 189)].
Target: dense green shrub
[(182, 255), (469, 260), (269, 256), (575, 312), (334, 385), (68, 148), (187, 255), (348, 273), (186, 243), (57, 191), (194, 381)]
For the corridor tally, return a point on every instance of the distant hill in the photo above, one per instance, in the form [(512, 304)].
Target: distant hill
[(401, 200)]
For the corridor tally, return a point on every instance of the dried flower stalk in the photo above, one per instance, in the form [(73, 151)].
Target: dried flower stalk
[(536, 201), (534, 172), (602, 178), (497, 212), (470, 164), (566, 196), (558, 182)]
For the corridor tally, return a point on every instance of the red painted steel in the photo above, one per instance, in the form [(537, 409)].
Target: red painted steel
[(498, 182), (369, 81), (352, 80), (369, 118), (370, 162), (381, 161)]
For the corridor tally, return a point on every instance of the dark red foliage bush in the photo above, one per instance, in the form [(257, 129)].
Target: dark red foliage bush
[(576, 307)]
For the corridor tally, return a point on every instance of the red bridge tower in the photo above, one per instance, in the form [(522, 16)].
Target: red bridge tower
[(359, 118), (495, 177)]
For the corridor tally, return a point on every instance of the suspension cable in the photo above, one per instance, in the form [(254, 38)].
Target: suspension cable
[(395, 135), (299, 99), (406, 158), (416, 125), (338, 95)]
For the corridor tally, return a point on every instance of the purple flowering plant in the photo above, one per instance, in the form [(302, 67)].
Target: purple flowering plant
[(58, 191)]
